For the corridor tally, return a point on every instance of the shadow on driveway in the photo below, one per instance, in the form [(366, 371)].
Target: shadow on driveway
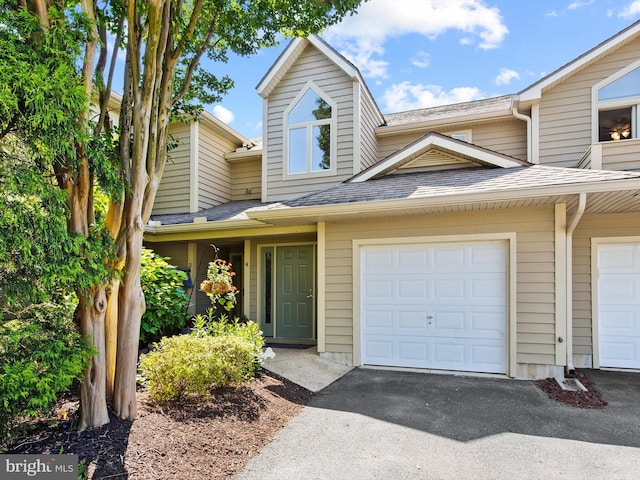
[(469, 408)]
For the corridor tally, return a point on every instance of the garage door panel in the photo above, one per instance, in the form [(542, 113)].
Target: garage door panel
[(619, 305), (449, 308)]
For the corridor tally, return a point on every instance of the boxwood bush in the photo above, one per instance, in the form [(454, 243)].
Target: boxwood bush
[(186, 365)]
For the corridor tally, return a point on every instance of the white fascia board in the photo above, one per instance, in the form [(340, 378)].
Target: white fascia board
[(444, 199), (334, 56), (441, 141), (204, 226), (295, 47), (534, 92), (224, 128)]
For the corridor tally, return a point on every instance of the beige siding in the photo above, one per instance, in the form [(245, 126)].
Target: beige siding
[(369, 120), (177, 252), (566, 111), (535, 270), (612, 225), (508, 137), (311, 65), (623, 155), (214, 172), (246, 180), (173, 192)]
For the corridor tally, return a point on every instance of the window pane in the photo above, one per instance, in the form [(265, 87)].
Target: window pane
[(321, 148), (309, 108), (298, 150), (626, 86), (614, 124)]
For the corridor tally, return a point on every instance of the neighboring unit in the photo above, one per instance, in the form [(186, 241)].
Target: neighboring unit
[(500, 235)]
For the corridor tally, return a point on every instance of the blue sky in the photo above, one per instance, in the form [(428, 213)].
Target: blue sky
[(422, 53)]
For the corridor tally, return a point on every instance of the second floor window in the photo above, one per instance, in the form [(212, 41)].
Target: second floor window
[(618, 107), (309, 134)]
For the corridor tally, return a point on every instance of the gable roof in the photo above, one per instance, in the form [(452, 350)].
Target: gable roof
[(436, 141), (291, 53), (534, 92)]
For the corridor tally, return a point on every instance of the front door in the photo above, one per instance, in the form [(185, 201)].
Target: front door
[(294, 291)]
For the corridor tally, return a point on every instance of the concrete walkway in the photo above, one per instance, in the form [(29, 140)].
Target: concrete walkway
[(374, 424), (305, 367)]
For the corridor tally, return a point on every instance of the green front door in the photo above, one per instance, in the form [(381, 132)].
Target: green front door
[(294, 292)]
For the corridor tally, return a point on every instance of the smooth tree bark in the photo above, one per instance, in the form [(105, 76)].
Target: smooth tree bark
[(165, 43)]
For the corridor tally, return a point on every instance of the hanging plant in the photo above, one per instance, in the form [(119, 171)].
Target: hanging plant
[(219, 284)]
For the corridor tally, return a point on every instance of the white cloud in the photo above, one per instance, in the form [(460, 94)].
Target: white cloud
[(361, 37), (506, 75), (223, 114), (421, 60), (552, 13), (579, 4), (407, 96), (631, 10)]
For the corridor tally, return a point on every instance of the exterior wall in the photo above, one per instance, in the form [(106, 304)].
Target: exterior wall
[(173, 192), (508, 137), (566, 110), (311, 65), (535, 271), (611, 225), (214, 172), (623, 155), (246, 180), (369, 120)]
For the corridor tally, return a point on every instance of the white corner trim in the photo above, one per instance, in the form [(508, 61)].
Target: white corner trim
[(194, 161)]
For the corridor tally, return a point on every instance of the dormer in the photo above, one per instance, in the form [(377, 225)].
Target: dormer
[(318, 121)]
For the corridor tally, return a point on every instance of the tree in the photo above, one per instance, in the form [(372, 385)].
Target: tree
[(164, 42)]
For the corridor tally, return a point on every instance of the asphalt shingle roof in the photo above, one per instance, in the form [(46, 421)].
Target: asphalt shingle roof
[(227, 211), (452, 182), (476, 107)]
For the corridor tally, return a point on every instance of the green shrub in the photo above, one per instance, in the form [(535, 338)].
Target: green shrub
[(195, 365), (210, 324), (165, 297), (41, 355)]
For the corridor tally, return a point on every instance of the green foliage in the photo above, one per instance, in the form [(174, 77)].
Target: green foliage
[(219, 284), (165, 296), (210, 325), (190, 365), (41, 355), (37, 253)]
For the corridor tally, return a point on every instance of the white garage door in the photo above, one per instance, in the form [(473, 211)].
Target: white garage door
[(619, 305), (440, 306)]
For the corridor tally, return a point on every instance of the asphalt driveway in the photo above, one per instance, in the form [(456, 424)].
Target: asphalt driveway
[(380, 424)]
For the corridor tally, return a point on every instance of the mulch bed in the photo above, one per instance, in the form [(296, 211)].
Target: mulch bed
[(194, 438), (590, 399)]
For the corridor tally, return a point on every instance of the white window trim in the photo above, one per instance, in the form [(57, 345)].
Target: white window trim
[(597, 105), (310, 85), (463, 133)]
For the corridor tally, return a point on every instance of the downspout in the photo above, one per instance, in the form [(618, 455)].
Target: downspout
[(582, 203), (527, 119)]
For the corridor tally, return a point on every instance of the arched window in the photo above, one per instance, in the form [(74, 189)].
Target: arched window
[(617, 100), (309, 137)]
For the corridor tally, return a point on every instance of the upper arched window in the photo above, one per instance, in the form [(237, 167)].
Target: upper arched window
[(617, 101), (309, 133)]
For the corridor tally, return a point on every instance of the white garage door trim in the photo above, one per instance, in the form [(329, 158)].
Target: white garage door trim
[(600, 332), (508, 237)]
